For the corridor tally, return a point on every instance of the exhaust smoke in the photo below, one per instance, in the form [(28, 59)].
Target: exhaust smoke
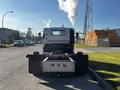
[(70, 7)]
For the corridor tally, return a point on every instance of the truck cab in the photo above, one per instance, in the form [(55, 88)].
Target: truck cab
[(58, 40)]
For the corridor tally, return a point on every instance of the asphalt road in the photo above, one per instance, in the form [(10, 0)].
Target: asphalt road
[(14, 74)]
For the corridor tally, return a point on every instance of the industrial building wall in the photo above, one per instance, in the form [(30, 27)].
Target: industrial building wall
[(91, 39), (103, 42), (8, 35), (113, 38), (1, 34), (102, 38), (118, 33)]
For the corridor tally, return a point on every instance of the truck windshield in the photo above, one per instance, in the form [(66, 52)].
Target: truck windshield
[(58, 32)]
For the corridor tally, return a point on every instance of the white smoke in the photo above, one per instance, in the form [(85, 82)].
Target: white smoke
[(47, 23), (70, 7)]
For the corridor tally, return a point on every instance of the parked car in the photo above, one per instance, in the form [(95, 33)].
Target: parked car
[(18, 43), (40, 42), (29, 43)]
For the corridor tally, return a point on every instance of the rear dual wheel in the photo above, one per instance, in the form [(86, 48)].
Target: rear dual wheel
[(35, 65), (81, 63)]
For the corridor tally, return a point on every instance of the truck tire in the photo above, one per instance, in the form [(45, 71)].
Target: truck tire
[(81, 63), (35, 65)]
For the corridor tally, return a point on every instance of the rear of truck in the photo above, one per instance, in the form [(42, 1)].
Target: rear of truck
[(58, 56)]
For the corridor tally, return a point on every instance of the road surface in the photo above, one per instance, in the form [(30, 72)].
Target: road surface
[(14, 74)]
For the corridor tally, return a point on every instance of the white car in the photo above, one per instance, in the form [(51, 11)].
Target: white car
[(29, 43), (18, 43)]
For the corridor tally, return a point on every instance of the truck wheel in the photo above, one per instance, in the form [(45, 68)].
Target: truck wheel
[(81, 63), (35, 65)]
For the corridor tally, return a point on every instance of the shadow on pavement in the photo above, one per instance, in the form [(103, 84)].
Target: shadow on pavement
[(107, 67), (69, 83)]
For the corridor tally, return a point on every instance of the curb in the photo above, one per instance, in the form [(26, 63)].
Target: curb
[(100, 80)]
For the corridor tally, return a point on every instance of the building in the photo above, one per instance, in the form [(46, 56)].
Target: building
[(103, 38), (117, 31), (8, 35)]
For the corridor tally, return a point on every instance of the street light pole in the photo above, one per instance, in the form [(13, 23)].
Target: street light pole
[(3, 31), (4, 16)]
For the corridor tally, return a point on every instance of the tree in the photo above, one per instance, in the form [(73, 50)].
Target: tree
[(23, 35)]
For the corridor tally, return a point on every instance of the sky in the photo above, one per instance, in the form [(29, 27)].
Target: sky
[(31, 13)]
